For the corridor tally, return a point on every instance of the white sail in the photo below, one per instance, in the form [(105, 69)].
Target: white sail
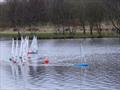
[(21, 47), (25, 48), (34, 45), (16, 50), (27, 44), (13, 47)]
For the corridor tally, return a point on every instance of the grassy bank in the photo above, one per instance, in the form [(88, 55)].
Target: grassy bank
[(59, 36)]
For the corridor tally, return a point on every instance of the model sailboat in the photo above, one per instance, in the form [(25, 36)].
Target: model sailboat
[(13, 51), (34, 46)]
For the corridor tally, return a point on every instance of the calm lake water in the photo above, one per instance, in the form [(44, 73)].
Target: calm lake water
[(101, 55)]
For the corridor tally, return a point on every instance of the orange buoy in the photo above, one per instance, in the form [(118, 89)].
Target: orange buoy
[(46, 61)]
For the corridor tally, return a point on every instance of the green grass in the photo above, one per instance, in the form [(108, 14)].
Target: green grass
[(58, 36)]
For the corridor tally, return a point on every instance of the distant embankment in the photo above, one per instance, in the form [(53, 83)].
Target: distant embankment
[(51, 35)]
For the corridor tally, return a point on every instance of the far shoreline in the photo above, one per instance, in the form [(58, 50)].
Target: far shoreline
[(49, 35)]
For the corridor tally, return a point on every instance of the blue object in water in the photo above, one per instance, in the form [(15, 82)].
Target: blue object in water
[(81, 65)]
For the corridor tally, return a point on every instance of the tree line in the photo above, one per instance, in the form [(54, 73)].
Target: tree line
[(61, 13)]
